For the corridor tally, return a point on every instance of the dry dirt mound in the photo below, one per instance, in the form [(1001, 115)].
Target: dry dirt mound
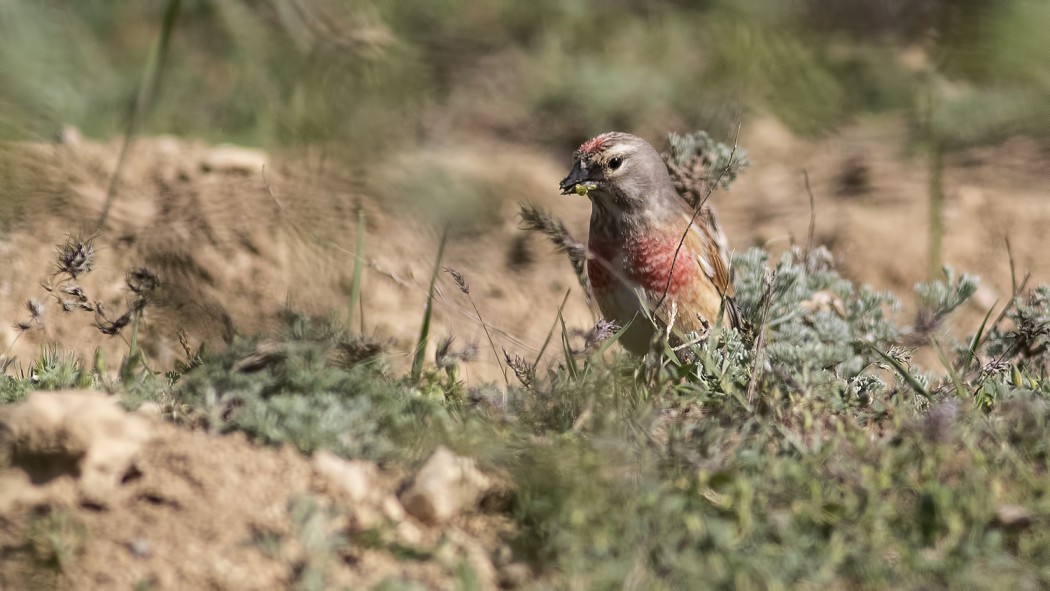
[(237, 236), (871, 204), (93, 497)]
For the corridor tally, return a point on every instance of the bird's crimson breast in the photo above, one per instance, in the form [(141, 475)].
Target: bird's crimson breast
[(645, 261)]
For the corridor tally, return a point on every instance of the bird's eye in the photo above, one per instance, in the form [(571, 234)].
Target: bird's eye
[(615, 162)]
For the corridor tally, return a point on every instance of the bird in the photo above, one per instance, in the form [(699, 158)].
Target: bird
[(653, 262)]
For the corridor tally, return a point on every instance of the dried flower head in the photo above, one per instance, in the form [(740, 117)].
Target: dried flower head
[(75, 291), (446, 357), (75, 257), (142, 282), (36, 309), (525, 373), (443, 353), (461, 282), (534, 220), (600, 333), (112, 327)]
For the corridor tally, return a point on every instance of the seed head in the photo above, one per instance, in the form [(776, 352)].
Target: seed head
[(75, 257), (461, 282), (141, 281)]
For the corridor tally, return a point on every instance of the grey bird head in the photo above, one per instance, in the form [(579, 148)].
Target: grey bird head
[(620, 173)]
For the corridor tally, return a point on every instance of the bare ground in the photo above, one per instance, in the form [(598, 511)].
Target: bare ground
[(238, 236), (97, 498)]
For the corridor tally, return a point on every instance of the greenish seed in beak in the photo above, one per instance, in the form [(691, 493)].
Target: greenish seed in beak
[(583, 188)]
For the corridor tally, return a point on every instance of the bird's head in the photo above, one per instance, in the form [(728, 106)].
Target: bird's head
[(619, 172)]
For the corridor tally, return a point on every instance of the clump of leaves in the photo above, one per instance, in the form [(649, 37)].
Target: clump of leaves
[(297, 389), (321, 543), (814, 454), (698, 164), (834, 476), (56, 538)]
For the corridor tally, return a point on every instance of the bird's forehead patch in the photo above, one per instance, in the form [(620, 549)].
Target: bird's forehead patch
[(594, 145)]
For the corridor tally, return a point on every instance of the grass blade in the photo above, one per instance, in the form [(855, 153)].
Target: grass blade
[(960, 387), (355, 283), (424, 331), (554, 325), (144, 98), (900, 369), (570, 359), (975, 342)]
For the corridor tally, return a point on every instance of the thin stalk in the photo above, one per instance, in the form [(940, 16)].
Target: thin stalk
[(424, 331), (127, 368), (147, 87), (935, 189), (355, 284)]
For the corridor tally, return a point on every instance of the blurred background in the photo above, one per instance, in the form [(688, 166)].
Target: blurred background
[(250, 152)]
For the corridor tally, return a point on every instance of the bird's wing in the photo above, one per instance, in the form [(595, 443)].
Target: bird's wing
[(708, 243), (702, 302), (720, 261)]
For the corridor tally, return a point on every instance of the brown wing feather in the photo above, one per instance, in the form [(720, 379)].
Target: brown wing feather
[(711, 249), (708, 246)]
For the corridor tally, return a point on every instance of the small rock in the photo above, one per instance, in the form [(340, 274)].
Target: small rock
[(392, 509), (80, 434), (70, 136), (237, 159), (477, 558), (514, 575), (140, 547), (824, 301), (444, 486), (408, 534), (356, 478), (150, 409), (1013, 517)]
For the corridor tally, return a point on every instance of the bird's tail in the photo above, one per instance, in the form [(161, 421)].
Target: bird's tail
[(736, 319)]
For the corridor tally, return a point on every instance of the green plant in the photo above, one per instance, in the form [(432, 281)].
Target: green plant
[(355, 284), (57, 538), (424, 330)]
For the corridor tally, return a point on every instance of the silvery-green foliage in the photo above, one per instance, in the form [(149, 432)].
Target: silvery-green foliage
[(723, 363), (1027, 335), (937, 299), (293, 390), (819, 328), (724, 161)]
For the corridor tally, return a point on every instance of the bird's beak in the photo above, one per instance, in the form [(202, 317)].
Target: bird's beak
[(578, 180)]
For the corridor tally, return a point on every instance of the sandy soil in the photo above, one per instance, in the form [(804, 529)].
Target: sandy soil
[(237, 236), (97, 498)]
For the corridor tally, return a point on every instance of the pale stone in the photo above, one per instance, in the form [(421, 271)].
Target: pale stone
[(80, 434), (445, 485), (228, 158), (356, 478)]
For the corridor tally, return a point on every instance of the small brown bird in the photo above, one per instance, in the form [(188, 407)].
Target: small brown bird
[(647, 249)]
